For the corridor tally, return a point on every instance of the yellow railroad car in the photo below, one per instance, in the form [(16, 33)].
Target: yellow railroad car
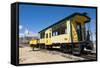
[(69, 34), (34, 43)]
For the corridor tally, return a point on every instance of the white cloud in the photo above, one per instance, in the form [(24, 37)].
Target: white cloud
[(20, 27)]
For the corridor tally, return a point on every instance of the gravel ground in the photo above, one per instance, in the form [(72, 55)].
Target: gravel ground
[(27, 55)]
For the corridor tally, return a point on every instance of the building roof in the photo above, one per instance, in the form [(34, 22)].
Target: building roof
[(66, 18)]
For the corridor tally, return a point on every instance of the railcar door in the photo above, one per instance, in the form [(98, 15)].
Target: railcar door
[(48, 34), (79, 31)]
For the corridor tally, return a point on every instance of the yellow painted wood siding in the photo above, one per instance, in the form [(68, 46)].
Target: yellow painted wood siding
[(34, 41), (42, 41), (48, 40), (63, 38), (74, 32), (68, 30)]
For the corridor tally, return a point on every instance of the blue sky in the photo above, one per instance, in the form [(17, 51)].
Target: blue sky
[(40, 17)]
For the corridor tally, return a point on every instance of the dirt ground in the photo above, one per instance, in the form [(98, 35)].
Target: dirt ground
[(27, 55)]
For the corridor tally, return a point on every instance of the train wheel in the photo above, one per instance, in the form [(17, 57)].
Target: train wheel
[(33, 47), (63, 48), (49, 47), (78, 50), (82, 49), (41, 46)]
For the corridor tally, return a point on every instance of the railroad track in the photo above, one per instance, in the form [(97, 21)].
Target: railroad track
[(89, 56), (85, 56)]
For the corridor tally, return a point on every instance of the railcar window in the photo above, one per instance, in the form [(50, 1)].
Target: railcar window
[(46, 35), (49, 35), (55, 33)]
